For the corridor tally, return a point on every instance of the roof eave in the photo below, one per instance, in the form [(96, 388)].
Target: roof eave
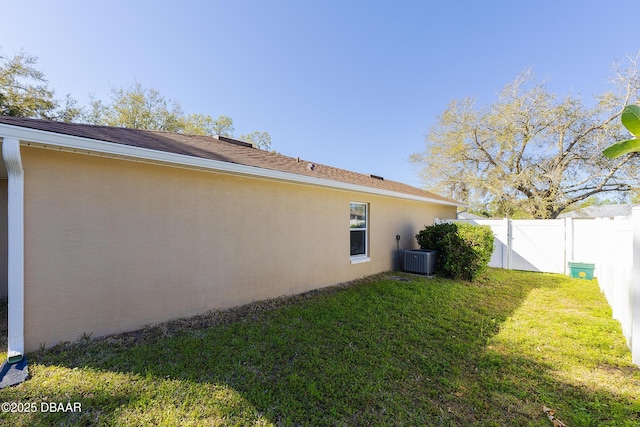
[(89, 146)]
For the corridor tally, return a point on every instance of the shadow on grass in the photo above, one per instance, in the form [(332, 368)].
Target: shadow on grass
[(380, 352)]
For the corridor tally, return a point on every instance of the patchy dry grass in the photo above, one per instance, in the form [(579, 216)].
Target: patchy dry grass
[(376, 352)]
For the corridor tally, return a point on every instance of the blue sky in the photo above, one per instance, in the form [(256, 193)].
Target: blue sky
[(352, 84)]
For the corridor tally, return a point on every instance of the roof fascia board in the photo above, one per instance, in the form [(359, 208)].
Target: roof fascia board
[(94, 146)]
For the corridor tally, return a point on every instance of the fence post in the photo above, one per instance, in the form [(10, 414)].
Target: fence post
[(568, 243), (635, 288), (506, 250)]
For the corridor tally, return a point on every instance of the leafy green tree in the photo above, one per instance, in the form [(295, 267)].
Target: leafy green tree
[(531, 151), (24, 91), (258, 139), (137, 107), (223, 126), (200, 124), (69, 111)]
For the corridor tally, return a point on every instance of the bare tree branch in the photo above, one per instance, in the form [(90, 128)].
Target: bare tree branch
[(530, 152)]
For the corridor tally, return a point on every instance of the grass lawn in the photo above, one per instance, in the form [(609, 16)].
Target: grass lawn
[(376, 352)]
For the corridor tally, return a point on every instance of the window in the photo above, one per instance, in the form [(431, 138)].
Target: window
[(358, 229)]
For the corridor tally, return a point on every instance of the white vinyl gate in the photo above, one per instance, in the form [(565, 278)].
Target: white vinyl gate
[(538, 246)]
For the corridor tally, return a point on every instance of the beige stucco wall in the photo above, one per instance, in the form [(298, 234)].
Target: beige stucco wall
[(113, 245)]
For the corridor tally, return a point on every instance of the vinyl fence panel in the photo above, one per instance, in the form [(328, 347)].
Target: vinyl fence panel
[(610, 247), (634, 291)]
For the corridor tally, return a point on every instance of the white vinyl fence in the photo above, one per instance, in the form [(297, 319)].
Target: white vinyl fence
[(613, 245)]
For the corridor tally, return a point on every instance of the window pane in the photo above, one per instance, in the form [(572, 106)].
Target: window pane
[(358, 217), (358, 242)]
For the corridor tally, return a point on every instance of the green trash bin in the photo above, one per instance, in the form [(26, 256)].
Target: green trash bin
[(581, 270)]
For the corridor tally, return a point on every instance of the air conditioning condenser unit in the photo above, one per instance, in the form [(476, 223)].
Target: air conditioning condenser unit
[(420, 261)]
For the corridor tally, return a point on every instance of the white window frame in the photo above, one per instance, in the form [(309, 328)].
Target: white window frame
[(359, 258)]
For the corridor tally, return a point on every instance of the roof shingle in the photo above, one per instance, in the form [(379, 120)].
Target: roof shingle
[(216, 148)]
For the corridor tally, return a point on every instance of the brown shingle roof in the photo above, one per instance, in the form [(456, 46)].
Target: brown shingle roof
[(215, 148)]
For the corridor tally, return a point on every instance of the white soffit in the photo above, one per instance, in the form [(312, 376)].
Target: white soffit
[(57, 141)]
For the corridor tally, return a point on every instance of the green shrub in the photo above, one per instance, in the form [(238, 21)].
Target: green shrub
[(464, 250)]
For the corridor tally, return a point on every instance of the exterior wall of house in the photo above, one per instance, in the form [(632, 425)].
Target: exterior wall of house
[(113, 245), (3, 237)]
